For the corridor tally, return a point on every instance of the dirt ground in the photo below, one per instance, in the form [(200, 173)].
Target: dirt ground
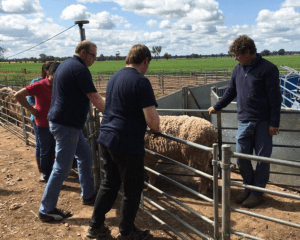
[(21, 192)]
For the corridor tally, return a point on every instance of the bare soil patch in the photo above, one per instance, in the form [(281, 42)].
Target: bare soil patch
[(21, 192)]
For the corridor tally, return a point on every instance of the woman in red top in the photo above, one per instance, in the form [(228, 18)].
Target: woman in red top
[(42, 91)]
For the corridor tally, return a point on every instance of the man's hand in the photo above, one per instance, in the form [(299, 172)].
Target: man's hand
[(153, 134), (212, 110), (273, 130)]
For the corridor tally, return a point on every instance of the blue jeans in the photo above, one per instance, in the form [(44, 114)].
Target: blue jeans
[(254, 135), (47, 149), (37, 143), (69, 142), (119, 167)]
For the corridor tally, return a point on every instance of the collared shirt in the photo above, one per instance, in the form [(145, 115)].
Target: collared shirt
[(42, 91), (70, 104), (123, 125)]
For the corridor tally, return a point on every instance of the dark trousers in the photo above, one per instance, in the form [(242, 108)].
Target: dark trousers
[(254, 135), (119, 167), (47, 150)]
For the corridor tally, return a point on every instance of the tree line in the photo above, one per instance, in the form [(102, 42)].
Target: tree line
[(156, 50)]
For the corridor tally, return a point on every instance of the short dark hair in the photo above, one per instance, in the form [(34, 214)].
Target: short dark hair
[(53, 66), (137, 54), (242, 44), (46, 66), (84, 45)]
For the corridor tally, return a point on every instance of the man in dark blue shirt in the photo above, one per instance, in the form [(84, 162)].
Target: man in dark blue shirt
[(73, 89), (255, 84), (129, 108)]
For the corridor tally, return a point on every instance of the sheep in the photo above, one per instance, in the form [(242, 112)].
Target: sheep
[(193, 129), (10, 106)]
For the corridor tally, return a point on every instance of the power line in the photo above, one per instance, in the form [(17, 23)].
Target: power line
[(42, 42)]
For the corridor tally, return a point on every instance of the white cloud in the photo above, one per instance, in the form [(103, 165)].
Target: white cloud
[(203, 10), (104, 20), (31, 7), (165, 24), (75, 12), (101, 20), (282, 15), (151, 23), (291, 3), (282, 23), (188, 15), (128, 25), (50, 20)]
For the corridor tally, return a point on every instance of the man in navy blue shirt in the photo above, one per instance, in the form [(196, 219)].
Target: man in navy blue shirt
[(255, 84), (129, 108), (73, 89)]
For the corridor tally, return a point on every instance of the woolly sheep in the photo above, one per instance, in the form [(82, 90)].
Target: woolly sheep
[(193, 129)]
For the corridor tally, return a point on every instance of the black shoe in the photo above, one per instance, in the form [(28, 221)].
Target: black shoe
[(91, 200), (136, 234), (55, 215), (242, 197), (95, 233)]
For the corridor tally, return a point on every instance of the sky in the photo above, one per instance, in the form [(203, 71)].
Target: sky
[(180, 27)]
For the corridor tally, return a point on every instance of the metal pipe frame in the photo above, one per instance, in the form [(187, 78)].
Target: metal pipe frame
[(181, 204), (186, 142), (200, 234), (245, 235), (274, 145), (180, 164), (266, 217), (215, 190), (165, 224), (267, 160), (225, 166), (264, 190), (179, 185)]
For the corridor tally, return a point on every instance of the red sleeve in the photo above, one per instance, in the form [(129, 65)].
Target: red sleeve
[(34, 88)]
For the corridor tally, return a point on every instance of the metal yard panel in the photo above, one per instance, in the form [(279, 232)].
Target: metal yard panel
[(288, 141), (201, 94)]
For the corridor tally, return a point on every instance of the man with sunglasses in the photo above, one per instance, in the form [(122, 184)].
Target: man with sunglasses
[(73, 89)]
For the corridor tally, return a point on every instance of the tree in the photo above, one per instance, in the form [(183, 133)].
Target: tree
[(265, 52), (274, 53), (43, 57), (49, 58), (118, 55), (156, 50), (167, 56), (101, 58), (281, 52)]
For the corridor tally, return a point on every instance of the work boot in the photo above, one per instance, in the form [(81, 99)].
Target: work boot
[(242, 197), (252, 201), (136, 234), (96, 233), (55, 215)]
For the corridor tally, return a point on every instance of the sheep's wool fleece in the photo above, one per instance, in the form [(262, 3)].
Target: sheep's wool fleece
[(193, 129)]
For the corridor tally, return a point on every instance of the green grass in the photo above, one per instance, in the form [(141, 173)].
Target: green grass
[(171, 66)]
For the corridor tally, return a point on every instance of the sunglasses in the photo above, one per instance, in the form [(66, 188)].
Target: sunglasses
[(92, 54)]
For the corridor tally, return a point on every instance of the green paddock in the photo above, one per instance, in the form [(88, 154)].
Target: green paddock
[(171, 66)]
